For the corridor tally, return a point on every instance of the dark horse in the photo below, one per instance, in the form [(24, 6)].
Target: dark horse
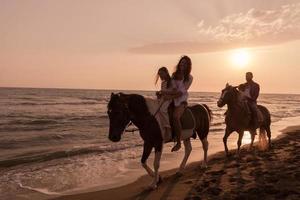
[(126, 108), (238, 117)]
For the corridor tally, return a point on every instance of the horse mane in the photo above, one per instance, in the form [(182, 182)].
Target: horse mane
[(137, 103), (235, 91), (112, 100)]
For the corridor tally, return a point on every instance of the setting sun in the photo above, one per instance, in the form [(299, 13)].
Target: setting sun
[(240, 58)]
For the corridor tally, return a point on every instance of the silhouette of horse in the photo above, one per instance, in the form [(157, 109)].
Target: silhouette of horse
[(126, 108), (238, 117)]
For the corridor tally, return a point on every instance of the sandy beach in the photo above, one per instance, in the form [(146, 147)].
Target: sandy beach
[(273, 174)]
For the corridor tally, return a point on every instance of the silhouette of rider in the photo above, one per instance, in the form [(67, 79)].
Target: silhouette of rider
[(251, 90)]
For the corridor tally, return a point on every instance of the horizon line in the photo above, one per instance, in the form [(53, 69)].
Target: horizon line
[(66, 88)]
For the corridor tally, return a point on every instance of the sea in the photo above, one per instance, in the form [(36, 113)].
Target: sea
[(55, 141)]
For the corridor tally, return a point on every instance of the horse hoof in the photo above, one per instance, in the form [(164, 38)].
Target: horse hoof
[(237, 156), (153, 186), (159, 180), (204, 166), (179, 174)]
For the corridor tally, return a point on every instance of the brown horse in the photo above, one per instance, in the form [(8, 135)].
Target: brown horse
[(125, 108), (238, 117)]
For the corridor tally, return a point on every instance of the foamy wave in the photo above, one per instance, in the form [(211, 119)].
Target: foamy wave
[(46, 156), (53, 104), (40, 190)]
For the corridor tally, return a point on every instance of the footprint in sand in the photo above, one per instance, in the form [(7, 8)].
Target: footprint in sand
[(193, 198), (205, 184), (233, 179), (188, 182), (297, 175), (215, 191), (271, 179), (255, 164), (234, 165), (217, 173), (270, 189)]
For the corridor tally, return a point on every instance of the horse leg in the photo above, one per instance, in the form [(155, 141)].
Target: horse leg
[(187, 152), (252, 133), (239, 143), (205, 149), (146, 152), (227, 133), (268, 130), (156, 165)]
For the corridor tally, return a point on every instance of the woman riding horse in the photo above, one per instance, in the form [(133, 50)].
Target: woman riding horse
[(126, 108), (182, 80)]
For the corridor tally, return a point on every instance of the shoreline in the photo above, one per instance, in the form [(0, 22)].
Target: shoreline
[(197, 182)]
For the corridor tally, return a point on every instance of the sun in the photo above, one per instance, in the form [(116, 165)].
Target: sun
[(240, 58)]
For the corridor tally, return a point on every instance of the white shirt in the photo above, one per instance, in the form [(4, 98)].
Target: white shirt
[(182, 87)]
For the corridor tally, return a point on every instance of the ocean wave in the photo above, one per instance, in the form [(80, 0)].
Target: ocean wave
[(53, 104), (216, 130), (40, 190), (98, 99), (47, 120), (217, 123), (47, 156), (92, 117), (33, 122)]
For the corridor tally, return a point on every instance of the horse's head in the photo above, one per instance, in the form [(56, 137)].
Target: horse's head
[(118, 114), (228, 94)]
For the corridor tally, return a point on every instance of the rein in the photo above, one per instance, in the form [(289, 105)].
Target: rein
[(131, 130), (136, 129)]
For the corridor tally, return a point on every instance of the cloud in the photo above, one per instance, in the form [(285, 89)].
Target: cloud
[(249, 29)]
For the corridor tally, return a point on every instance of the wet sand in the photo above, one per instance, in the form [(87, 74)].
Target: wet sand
[(257, 174)]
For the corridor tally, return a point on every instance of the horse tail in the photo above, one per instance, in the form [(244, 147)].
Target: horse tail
[(210, 114), (266, 115), (265, 128), (262, 138)]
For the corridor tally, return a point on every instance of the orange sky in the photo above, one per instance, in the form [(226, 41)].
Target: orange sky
[(120, 44)]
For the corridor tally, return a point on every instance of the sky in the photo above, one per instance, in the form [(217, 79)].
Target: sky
[(120, 44)]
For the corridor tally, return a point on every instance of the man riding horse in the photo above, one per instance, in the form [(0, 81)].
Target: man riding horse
[(243, 113), (251, 91)]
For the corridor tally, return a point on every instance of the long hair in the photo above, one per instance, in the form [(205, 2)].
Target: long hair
[(188, 68), (164, 69)]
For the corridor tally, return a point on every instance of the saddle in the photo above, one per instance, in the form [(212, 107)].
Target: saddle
[(188, 122), (260, 117)]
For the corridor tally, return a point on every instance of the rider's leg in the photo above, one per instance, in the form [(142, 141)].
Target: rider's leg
[(178, 111), (254, 111)]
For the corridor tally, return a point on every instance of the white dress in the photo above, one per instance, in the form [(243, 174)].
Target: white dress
[(182, 87), (163, 112)]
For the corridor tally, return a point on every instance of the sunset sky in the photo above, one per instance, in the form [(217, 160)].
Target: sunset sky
[(106, 44)]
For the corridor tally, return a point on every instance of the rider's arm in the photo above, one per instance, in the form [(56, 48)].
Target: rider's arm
[(188, 84), (255, 92)]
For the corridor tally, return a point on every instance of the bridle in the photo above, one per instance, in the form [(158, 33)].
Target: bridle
[(224, 93), (221, 99)]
